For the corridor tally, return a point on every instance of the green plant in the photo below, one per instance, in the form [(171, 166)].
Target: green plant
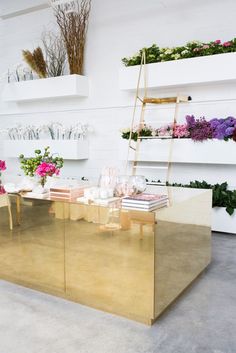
[(145, 131), (221, 196), (189, 50), (29, 165), (152, 56)]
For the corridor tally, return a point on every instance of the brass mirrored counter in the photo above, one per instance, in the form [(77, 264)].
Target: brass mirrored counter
[(126, 262)]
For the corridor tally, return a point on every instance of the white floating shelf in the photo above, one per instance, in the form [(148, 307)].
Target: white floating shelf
[(46, 88), (222, 221), (184, 151), (67, 149), (192, 71)]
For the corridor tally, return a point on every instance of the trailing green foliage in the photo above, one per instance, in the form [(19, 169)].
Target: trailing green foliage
[(221, 196)]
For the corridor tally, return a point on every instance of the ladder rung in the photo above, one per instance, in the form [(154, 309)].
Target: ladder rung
[(149, 167), (165, 100)]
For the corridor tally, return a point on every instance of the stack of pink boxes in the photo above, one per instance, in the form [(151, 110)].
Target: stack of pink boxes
[(66, 193)]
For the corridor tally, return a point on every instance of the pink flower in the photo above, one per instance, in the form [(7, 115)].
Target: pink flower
[(2, 190), (47, 169), (217, 41), (197, 49), (226, 44), (2, 165), (165, 130), (181, 131), (205, 46)]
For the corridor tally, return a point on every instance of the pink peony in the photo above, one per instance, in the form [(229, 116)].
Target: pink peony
[(47, 169), (181, 131), (205, 46), (2, 165), (226, 44), (217, 41)]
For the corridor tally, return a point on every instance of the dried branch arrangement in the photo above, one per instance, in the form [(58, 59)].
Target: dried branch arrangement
[(36, 61), (55, 53), (73, 25)]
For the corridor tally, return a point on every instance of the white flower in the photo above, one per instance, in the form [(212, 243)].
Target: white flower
[(184, 52), (197, 42), (125, 130), (176, 56), (168, 51)]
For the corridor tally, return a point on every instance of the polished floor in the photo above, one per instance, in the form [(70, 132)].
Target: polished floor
[(203, 320)]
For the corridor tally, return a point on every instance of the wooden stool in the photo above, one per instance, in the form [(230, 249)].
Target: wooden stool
[(5, 202)]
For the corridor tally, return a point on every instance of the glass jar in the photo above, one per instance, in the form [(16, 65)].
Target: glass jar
[(138, 183), (123, 186)]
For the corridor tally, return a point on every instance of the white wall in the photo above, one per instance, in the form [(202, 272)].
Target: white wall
[(118, 29)]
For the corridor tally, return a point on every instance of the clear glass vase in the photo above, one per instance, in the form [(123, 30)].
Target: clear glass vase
[(130, 185)]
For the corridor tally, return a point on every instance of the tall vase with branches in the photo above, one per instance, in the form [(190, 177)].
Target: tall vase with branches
[(73, 25), (55, 53)]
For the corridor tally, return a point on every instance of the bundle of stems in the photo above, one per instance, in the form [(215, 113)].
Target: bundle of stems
[(73, 26), (55, 53), (36, 61)]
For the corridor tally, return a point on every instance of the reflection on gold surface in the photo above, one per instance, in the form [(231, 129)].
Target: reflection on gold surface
[(34, 252), (130, 263)]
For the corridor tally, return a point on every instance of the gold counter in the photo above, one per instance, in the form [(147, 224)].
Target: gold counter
[(129, 263)]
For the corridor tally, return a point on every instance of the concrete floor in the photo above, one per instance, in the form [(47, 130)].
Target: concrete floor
[(202, 320)]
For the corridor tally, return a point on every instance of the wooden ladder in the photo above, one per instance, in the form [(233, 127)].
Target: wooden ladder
[(135, 146)]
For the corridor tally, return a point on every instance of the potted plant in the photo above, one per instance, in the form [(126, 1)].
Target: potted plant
[(41, 166)]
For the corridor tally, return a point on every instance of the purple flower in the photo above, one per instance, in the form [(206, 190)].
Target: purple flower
[(199, 129), (230, 120), (229, 131), (214, 123), (223, 128), (190, 119)]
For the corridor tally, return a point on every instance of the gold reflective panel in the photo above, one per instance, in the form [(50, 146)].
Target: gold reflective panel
[(33, 253), (130, 263)]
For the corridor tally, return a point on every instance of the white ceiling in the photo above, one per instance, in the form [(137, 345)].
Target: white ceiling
[(12, 8)]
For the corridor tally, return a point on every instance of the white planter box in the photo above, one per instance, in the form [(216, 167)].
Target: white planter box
[(67, 149), (201, 70), (46, 88), (184, 151), (222, 221)]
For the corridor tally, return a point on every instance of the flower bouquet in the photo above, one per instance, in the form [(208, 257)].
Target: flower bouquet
[(2, 168), (42, 165)]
